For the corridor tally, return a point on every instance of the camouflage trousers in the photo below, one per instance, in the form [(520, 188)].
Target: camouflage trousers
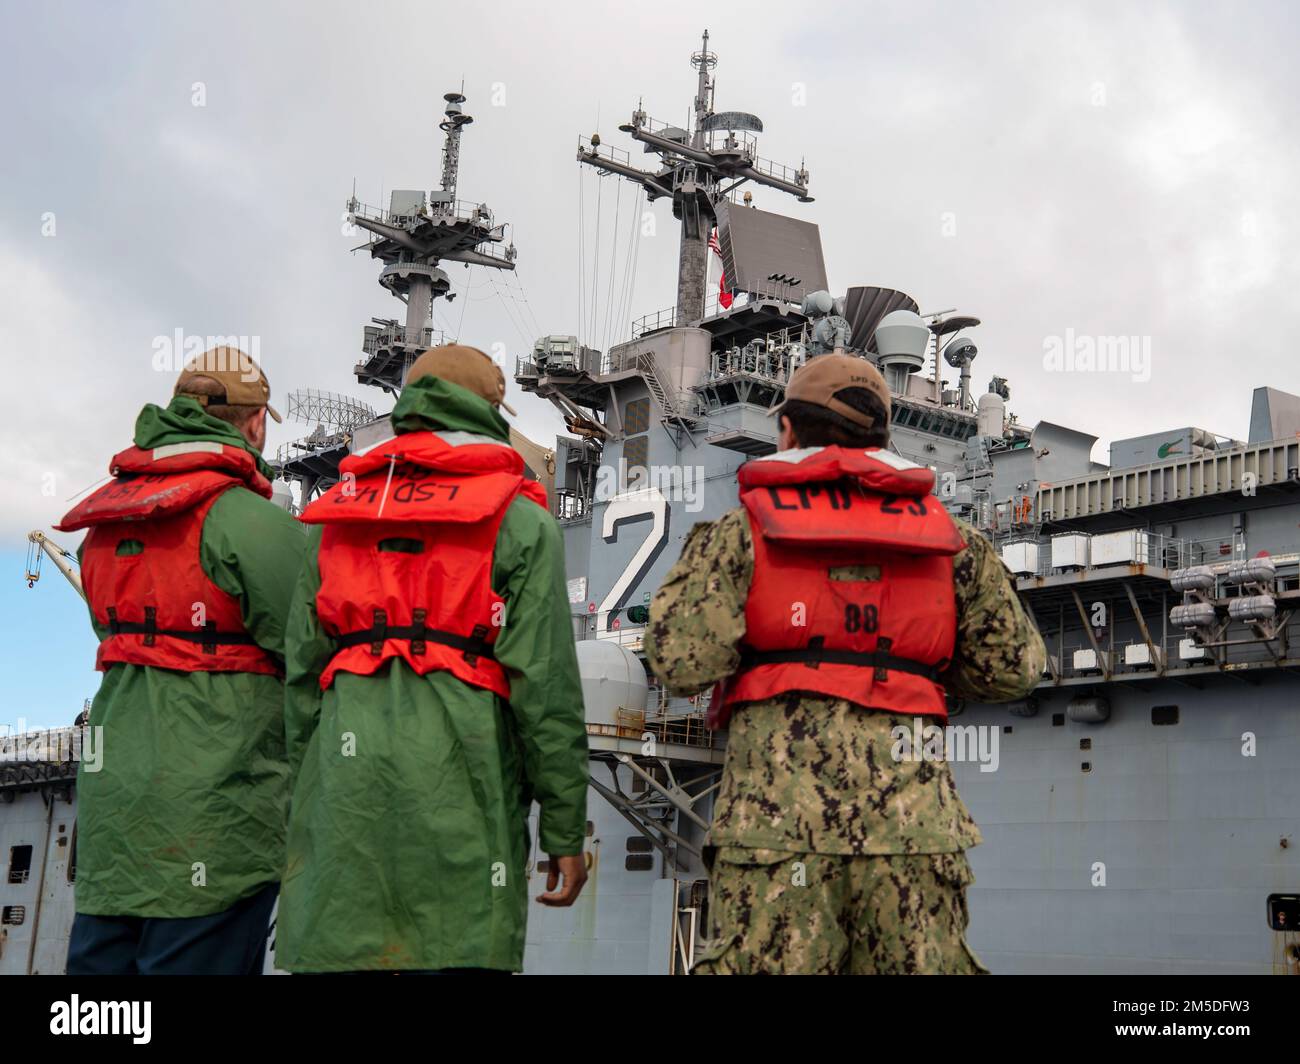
[(776, 913)]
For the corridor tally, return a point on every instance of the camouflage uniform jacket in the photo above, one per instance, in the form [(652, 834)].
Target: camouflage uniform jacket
[(816, 775)]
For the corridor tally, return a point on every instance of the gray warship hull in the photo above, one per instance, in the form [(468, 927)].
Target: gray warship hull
[(1191, 834), (1143, 833)]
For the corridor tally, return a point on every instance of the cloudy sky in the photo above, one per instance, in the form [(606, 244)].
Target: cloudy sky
[(1054, 168)]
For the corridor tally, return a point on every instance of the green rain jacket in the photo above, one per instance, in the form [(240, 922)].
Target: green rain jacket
[(408, 832), (183, 815)]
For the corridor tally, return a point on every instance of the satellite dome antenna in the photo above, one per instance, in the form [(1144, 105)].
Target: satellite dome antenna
[(954, 352), (901, 338), (960, 353)]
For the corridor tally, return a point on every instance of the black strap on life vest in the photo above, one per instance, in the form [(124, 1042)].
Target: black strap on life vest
[(474, 645), (816, 652), (207, 636)]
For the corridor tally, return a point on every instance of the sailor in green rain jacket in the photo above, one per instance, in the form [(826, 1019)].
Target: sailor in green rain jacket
[(180, 827), (418, 759)]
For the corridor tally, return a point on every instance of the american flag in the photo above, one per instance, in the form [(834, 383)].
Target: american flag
[(724, 297)]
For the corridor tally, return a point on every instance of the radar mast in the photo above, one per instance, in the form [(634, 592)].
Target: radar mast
[(700, 169)]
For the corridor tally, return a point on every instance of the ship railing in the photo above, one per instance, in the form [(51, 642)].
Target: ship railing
[(373, 343), (1169, 651), (673, 404), (781, 172), (658, 127), (1154, 549), (682, 721), (667, 317), (461, 210), (771, 360), (720, 140), (615, 626), (604, 151), (642, 361), (772, 290), (469, 210), (489, 249), (1105, 661), (791, 334), (316, 443), (570, 505), (684, 730), (563, 364), (713, 303), (770, 367), (368, 211), (659, 319), (1112, 658), (1067, 654), (783, 293), (1244, 651), (627, 726), (1212, 551), (660, 703)]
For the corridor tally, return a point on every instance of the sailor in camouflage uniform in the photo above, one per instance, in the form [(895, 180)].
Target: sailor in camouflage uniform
[(827, 853)]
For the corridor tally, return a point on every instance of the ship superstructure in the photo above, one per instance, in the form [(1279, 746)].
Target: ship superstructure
[(1141, 814)]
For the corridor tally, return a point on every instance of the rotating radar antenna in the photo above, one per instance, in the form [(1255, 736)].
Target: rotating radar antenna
[(339, 413)]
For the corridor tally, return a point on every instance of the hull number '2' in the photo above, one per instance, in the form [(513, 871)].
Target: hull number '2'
[(649, 502)]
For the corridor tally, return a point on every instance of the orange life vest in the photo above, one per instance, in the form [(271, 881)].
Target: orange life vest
[(140, 564), (879, 640), (406, 555)]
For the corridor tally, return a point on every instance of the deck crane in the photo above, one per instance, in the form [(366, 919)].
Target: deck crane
[(38, 543)]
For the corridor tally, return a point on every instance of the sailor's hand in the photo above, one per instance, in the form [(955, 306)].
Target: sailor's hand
[(574, 871)]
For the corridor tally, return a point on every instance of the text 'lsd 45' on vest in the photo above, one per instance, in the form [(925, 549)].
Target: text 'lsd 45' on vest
[(852, 594), (406, 555), (140, 564)]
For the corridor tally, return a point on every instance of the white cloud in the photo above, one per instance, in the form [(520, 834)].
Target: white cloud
[(67, 395), (1165, 212)]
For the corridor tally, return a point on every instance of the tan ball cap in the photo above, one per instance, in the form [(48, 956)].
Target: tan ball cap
[(467, 366), (818, 380), (242, 378)]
